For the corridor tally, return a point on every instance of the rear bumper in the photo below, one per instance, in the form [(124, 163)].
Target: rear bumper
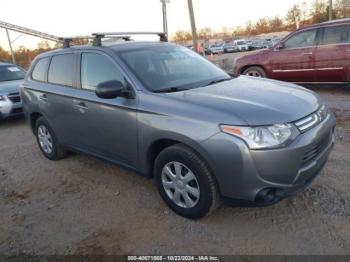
[(266, 176)]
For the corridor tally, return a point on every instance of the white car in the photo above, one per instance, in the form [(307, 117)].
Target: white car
[(242, 45), (216, 49)]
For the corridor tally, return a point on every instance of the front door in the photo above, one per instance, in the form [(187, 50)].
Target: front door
[(332, 58), (107, 127), (295, 60)]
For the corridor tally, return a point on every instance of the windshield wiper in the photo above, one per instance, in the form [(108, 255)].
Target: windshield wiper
[(218, 81), (169, 90)]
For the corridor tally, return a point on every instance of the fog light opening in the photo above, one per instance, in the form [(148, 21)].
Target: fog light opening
[(267, 195)]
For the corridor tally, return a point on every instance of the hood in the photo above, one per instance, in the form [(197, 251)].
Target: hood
[(7, 87), (255, 101)]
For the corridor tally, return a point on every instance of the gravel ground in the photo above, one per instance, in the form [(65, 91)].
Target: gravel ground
[(80, 205)]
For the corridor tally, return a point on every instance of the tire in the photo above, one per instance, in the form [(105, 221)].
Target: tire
[(255, 71), (57, 151), (202, 185)]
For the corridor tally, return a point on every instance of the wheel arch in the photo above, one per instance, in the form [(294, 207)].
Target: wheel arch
[(158, 145), (34, 116)]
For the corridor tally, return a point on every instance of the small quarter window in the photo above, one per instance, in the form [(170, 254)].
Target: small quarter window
[(40, 69)]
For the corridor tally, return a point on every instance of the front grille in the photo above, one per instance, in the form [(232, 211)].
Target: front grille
[(312, 120), (315, 150), (14, 97)]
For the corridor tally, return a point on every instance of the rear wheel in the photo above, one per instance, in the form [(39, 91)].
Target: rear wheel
[(255, 71), (47, 140), (185, 182)]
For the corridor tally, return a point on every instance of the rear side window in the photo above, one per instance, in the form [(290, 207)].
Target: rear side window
[(40, 69), (336, 35), (61, 70), (96, 69), (302, 39)]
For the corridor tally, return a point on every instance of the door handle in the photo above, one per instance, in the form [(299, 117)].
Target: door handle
[(310, 53), (79, 104), (43, 98)]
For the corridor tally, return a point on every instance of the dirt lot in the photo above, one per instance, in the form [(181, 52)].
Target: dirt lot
[(80, 205)]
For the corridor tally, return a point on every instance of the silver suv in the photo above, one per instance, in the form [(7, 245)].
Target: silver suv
[(10, 101), (163, 111)]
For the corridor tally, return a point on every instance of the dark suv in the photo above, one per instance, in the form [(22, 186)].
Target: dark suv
[(165, 112)]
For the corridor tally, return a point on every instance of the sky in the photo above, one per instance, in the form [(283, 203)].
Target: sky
[(78, 17)]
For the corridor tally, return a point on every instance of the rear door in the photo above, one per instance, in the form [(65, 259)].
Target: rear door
[(104, 127), (332, 56), (295, 62), (55, 99)]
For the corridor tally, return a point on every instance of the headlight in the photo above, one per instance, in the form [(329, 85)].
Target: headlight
[(2, 98), (263, 136)]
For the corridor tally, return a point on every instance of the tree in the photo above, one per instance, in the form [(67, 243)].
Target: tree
[(276, 24), (181, 36), (4, 55), (250, 28), (205, 33), (262, 26), (342, 9), (319, 12), (294, 16)]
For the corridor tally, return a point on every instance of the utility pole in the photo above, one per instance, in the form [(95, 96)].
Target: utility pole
[(330, 10), (165, 18), (193, 25), (10, 44)]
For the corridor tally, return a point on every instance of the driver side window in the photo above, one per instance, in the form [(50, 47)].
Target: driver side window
[(302, 39), (96, 69)]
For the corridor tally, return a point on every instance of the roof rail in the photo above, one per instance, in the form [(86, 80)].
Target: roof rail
[(67, 40), (126, 36)]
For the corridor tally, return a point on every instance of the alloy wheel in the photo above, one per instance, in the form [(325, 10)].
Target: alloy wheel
[(180, 185), (45, 139)]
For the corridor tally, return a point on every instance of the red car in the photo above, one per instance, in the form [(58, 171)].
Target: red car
[(314, 54)]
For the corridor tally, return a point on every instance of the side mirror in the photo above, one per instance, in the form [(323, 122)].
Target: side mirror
[(280, 46), (112, 89)]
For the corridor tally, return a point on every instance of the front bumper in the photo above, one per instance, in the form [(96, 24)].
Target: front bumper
[(10, 109), (262, 177)]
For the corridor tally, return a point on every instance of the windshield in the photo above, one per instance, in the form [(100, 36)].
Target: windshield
[(10, 73), (171, 67), (241, 43)]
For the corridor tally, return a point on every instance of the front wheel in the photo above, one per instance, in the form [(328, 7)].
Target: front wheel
[(255, 71), (185, 182)]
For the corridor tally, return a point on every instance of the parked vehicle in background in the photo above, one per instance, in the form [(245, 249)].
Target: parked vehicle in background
[(10, 101), (207, 49), (230, 47), (257, 44), (315, 54), (241, 45), (216, 49), (166, 112), (274, 42)]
